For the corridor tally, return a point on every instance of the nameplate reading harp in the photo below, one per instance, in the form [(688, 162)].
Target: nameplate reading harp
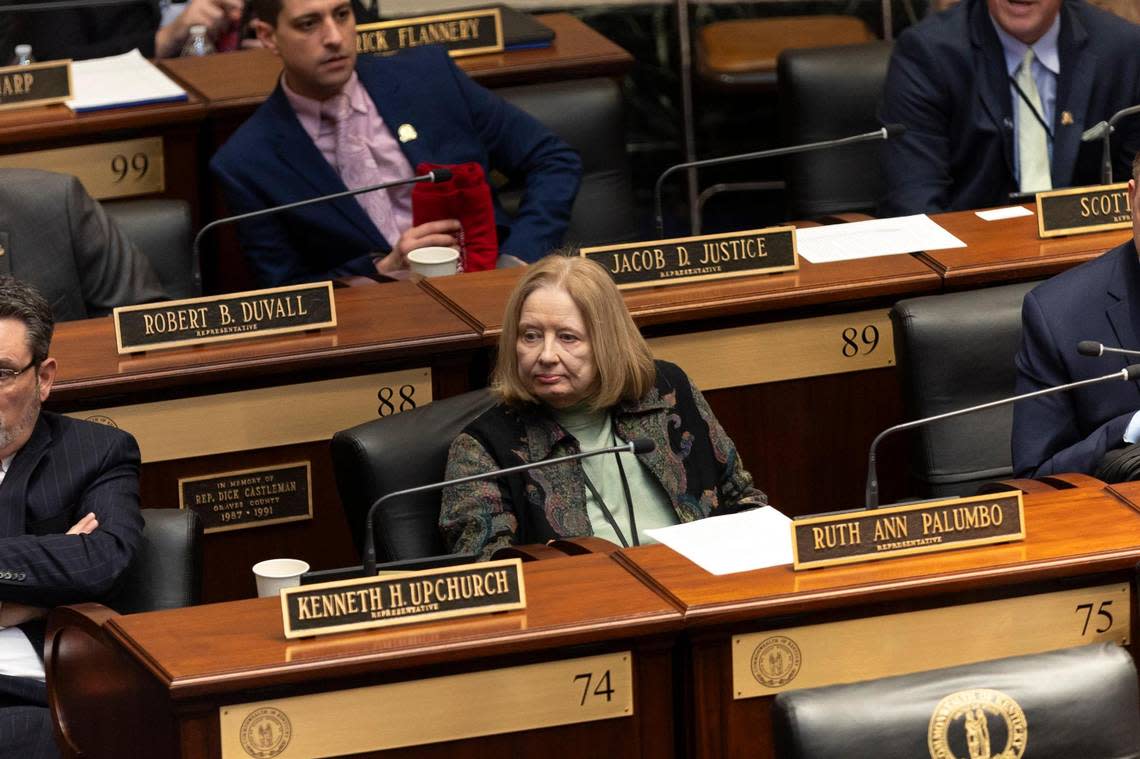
[(403, 598), (463, 33), (846, 537), (1081, 210), (35, 84), (696, 259), (234, 316)]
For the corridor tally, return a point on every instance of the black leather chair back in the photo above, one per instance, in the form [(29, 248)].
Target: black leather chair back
[(589, 114), (397, 452), (165, 571), (826, 93), (160, 229), (1076, 702), (956, 350)]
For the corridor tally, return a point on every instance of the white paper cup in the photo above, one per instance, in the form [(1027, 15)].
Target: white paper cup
[(434, 261), (274, 574)]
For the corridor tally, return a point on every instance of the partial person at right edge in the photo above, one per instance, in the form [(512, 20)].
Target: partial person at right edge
[(1074, 431)]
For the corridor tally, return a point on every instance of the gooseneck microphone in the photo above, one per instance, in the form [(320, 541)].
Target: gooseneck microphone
[(433, 176), (1094, 349), (872, 493), (637, 446), (1102, 130), (887, 132)]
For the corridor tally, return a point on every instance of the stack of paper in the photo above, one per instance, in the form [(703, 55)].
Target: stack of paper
[(732, 543), (877, 237), (119, 81)]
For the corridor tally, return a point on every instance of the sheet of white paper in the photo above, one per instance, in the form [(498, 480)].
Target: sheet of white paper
[(118, 81), (732, 543), (1008, 212), (877, 237)]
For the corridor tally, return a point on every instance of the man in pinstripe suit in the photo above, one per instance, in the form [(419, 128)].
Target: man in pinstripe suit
[(69, 514)]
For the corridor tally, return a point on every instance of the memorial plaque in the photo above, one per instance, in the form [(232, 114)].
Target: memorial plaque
[(249, 497), (1082, 210), (462, 33), (34, 84)]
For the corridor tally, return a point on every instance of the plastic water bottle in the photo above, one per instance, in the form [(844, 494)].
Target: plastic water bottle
[(23, 56), (198, 43)]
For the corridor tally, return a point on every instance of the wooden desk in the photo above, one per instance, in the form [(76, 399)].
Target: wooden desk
[(880, 612), (262, 403), (155, 684)]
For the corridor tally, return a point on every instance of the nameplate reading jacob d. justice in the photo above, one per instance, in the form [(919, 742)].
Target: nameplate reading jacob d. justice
[(693, 259), (463, 33), (403, 598), (1080, 210), (234, 316), (249, 497), (35, 84), (864, 535)]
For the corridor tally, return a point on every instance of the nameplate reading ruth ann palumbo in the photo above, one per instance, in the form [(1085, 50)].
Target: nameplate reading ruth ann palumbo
[(462, 33), (864, 535), (1081, 210), (695, 259), (34, 84), (249, 497), (234, 316), (403, 598)]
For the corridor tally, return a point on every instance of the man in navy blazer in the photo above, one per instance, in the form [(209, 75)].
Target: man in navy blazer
[(949, 84), (1100, 300), (69, 514), (432, 108)]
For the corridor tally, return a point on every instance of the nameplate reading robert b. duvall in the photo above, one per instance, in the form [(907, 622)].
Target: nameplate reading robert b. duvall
[(1080, 210), (234, 316), (34, 83), (695, 259), (863, 535), (403, 598)]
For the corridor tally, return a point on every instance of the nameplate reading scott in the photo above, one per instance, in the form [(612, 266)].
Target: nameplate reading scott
[(464, 33), (249, 497), (915, 528), (1080, 210), (35, 84), (694, 259), (234, 316), (403, 598)]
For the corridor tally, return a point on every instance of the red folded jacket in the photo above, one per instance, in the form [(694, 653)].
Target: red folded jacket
[(466, 197)]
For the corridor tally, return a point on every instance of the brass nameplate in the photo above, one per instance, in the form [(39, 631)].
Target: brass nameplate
[(403, 598), (695, 259), (234, 316), (249, 497), (768, 662), (464, 33), (434, 710), (1080, 210), (106, 169), (35, 84), (864, 535)]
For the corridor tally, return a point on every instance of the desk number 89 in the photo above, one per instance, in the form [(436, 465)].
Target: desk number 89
[(856, 342)]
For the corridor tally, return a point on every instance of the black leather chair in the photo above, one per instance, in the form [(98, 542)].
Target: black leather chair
[(165, 572), (827, 93), (160, 229), (956, 350), (1076, 702), (589, 115), (398, 452)]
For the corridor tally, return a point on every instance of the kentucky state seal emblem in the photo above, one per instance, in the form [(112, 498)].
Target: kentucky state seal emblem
[(973, 724), (265, 733), (776, 661)]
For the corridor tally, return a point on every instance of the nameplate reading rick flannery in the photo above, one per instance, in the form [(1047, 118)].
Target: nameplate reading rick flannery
[(850, 536), (694, 259), (402, 598), (1081, 210), (462, 33), (34, 84), (234, 316)]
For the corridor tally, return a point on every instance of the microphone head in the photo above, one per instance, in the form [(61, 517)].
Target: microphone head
[(1095, 132), (893, 130), (440, 175), (643, 445), (1090, 348), (1132, 372)]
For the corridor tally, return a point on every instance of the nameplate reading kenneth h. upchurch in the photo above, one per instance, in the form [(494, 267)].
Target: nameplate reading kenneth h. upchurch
[(234, 316), (695, 259), (914, 528), (1081, 210), (402, 598), (34, 83), (461, 33)]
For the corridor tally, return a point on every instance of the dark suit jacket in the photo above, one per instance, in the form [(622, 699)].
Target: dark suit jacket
[(1071, 431), (271, 161), (947, 83), (57, 238)]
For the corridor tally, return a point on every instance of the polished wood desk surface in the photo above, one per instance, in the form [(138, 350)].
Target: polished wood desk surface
[(1010, 249), (245, 78), (58, 123)]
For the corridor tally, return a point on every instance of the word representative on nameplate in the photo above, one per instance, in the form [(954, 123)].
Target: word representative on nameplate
[(234, 316), (695, 259), (34, 83), (402, 598), (462, 33), (849, 536), (1081, 210)]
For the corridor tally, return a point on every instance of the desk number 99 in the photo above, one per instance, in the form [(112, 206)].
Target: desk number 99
[(857, 342), (137, 165)]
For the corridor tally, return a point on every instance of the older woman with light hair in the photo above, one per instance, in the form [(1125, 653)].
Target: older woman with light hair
[(573, 373)]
